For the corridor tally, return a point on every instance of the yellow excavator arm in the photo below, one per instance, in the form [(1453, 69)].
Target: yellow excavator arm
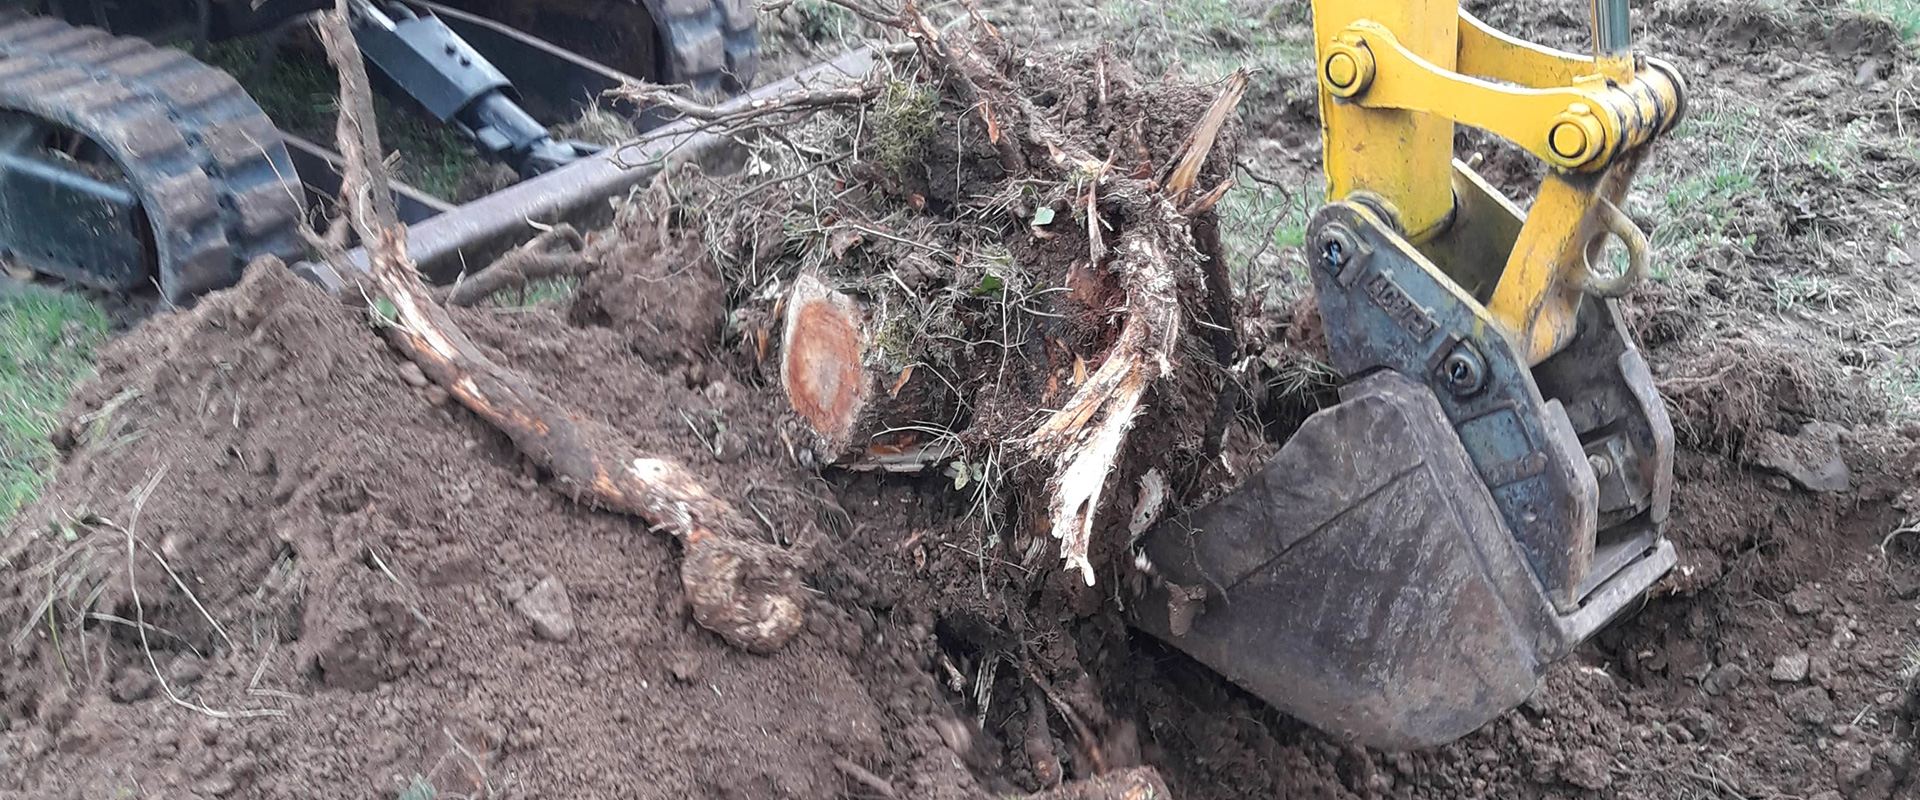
[(1493, 486), (1396, 76)]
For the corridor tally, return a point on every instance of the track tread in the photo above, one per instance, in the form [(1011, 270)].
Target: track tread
[(711, 45), (212, 171)]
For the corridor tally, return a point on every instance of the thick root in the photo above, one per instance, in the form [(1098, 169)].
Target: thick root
[(742, 590)]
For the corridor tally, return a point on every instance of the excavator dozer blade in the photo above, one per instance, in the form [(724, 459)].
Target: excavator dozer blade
[(1365, 583)]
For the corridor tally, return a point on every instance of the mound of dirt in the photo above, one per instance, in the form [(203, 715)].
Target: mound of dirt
[(276, 563)]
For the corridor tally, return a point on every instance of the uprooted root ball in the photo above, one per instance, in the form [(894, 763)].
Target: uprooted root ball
[(997, 235)]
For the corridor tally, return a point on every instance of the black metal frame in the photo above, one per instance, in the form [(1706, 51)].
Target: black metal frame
[(84, 227)]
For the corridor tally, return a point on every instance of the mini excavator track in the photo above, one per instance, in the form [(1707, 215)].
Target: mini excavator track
[(203, 180)]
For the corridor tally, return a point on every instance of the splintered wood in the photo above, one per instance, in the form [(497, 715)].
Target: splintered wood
[(1085, 440), (745, 591)]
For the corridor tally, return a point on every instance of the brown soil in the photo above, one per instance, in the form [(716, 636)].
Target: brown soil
[(385, 570)]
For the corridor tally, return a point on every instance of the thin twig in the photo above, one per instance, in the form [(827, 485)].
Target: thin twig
[(140, 622)]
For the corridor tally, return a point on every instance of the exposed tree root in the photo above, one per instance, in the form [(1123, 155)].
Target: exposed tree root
[(747, 592)]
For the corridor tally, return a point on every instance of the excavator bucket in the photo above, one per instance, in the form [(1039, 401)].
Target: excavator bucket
[(1363, 581), (1414, 558)]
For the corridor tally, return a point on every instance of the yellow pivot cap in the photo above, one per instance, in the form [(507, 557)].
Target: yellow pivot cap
[(1347, 69), (1575, 137)]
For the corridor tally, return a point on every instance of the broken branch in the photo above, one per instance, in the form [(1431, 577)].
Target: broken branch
[(1199, 144), (555, 253)]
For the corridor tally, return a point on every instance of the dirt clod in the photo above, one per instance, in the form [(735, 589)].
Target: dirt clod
[(1810, 706), (1723, 679), (1806, 600), (1588, 768), (1791, 667), (1851, 763)]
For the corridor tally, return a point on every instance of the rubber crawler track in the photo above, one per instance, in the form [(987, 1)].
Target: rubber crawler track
[(210, 169), (712, 45)]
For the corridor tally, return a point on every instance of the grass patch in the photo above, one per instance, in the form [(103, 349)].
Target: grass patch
[(554, 291), (299, 93), (47, 342), (1258, 223), (1212, 38), (1698, 197), (1904, 14)]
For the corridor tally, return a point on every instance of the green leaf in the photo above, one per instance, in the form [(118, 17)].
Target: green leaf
[(389, 313), (989, 284), (419, 789), (1043, 216), (960, 474)]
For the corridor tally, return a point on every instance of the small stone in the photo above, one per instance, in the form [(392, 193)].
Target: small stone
[(1898, 755), (1811, 706), (729, 446), (1722, 679), (1842, 640), (132, 686), (1821, 668), (549, 609), (1810, 458), (684, 666), (75, 739), (1827, 795), (437, 396), (186, 670), (1588, 769), (1805, 600), (410, 372), (219, 786), (1702, 725), (1790, 668), (1851, 763)]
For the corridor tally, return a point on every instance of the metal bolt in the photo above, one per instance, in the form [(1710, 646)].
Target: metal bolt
[(1602, 465), (1575, 137), (1462, 372), (1336, 248)]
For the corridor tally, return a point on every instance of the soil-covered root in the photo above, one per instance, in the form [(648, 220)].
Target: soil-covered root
[(745, 591)]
